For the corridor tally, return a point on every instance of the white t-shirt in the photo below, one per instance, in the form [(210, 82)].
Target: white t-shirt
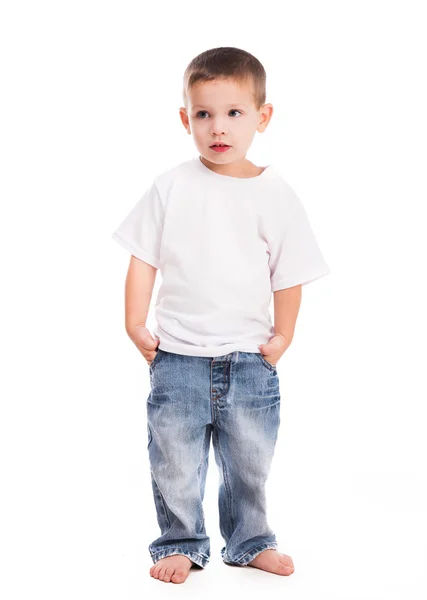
[(223, 244)]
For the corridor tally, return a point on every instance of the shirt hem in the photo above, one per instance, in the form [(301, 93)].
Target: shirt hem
[(209, 351)]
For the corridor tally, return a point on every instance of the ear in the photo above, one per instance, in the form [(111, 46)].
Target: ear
[(184, 118), (265, 114)]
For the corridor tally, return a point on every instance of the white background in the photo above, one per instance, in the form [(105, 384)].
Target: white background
[(89, 114)]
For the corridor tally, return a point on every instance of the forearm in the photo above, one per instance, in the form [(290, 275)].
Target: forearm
[(138, 291), (286, 307)]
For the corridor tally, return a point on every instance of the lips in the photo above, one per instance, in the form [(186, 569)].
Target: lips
[(220, 146)]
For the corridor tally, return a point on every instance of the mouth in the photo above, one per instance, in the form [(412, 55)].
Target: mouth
[(219, 147)]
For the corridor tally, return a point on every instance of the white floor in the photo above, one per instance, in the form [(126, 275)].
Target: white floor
[(344, 547)]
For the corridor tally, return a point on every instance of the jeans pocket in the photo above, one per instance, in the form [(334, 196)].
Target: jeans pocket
[(149, 435), (267, 364), (155, 359)]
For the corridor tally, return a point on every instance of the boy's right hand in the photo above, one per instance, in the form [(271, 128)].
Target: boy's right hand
[(144, 341)]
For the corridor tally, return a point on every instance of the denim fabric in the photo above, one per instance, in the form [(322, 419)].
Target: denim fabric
[(234, 398)]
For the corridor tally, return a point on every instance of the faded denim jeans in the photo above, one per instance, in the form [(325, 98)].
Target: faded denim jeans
[(236, 399)]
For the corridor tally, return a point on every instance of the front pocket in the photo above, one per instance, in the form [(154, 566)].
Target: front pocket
[(266, 363), (155, 359), (150, 437)]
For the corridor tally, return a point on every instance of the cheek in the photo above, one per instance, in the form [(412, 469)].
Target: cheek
[(197, 127), (244, 126)]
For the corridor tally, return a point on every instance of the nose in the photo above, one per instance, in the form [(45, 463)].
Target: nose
[(217, 127)]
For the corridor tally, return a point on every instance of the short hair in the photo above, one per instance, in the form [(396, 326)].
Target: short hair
[(227, 63)]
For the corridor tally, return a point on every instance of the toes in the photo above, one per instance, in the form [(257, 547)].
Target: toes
[(286, 566), (168, 573), (284, 569), (178, 576), (155, 571), (158, 573), (286, 560)]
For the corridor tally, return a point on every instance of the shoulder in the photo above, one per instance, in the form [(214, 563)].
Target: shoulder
[(165, 180), (278, 190)]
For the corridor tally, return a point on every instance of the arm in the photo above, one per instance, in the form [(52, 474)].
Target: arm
[(138, 291), (286, 307)]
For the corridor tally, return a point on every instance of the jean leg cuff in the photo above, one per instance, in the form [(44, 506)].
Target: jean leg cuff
[(247, 557), (200, 559)]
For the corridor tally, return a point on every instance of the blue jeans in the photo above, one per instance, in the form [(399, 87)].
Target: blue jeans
[(236, 398)]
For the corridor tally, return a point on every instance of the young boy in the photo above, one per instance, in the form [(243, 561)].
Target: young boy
[(225, 235)]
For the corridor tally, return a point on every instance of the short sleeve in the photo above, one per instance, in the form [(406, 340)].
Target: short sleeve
[(140, 233), (295, 256)]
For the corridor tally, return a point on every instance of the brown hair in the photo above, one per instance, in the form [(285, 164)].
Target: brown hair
[(227, 63)]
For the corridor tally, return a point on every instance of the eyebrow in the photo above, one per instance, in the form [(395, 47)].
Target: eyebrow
[(234, 104)]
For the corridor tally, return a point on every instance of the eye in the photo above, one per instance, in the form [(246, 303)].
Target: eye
[(233, 110)]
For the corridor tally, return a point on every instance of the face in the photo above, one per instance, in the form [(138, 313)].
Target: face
[(224, 111)]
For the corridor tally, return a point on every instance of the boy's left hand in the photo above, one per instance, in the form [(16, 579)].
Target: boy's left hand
[(274, 349)]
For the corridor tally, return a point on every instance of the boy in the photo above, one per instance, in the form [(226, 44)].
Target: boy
[(225, 234)]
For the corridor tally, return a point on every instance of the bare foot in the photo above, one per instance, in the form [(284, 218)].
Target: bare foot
[(173, 568), (274, 562)]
